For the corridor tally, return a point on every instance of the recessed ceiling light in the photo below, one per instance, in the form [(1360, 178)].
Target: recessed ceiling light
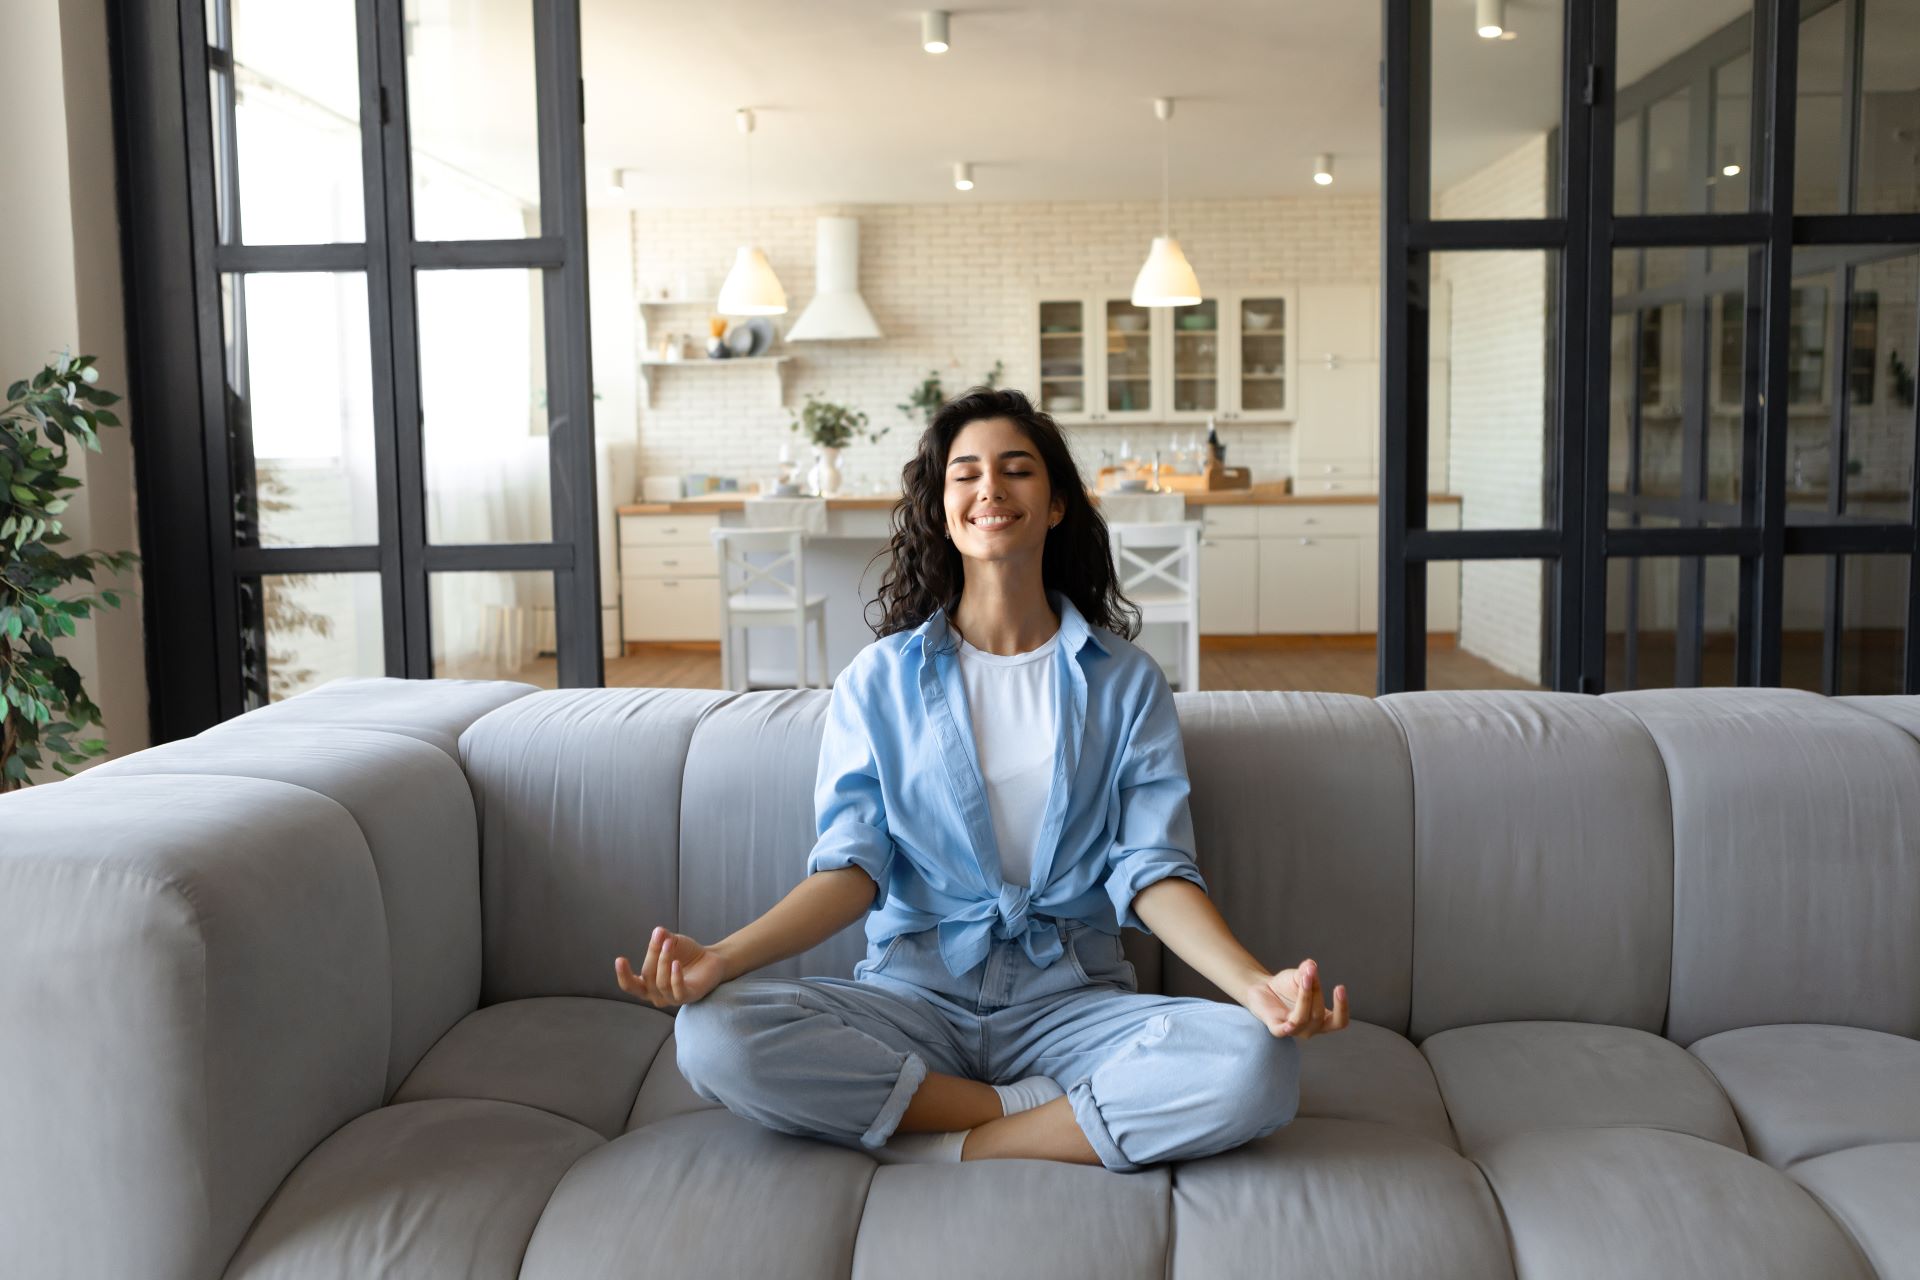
[(1490, 19), (962, 176), (1323, 169), (933, 31)]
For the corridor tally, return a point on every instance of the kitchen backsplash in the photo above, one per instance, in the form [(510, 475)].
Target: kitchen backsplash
[(951, 286)]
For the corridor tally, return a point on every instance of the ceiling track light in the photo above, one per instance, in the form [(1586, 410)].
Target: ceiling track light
[(933, 31), (1490, 18), (962, 176), (1323, 169)]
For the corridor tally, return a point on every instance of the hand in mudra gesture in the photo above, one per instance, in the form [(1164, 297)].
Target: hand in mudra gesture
[(1289, 1003), (677, 971)]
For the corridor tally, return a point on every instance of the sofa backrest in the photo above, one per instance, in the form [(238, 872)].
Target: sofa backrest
[(1453, 857)]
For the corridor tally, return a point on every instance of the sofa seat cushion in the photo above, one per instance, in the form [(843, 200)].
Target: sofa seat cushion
[(1346, 1198), (1370, 1073), (1504, 1079), (1806, 1089), (665, 1092), (1632, 1201), (1871, 1192), (451, 1187), (705, 1194), (576, 1056)]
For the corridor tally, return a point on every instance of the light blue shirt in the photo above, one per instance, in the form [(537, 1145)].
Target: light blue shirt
[(899, 794)]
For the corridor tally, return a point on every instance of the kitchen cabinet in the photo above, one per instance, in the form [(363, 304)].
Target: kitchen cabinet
[(669, 578), (1104, 360), (1099, 357), (1306, 568), (1336, 426)]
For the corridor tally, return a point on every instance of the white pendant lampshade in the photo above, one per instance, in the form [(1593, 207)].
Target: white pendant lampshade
[(1166, 279), (751, 288)]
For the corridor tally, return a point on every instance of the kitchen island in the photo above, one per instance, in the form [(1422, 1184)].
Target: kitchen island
[(1271, 562)]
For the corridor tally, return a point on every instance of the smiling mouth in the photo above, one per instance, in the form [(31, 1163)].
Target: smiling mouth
[(992, 523)]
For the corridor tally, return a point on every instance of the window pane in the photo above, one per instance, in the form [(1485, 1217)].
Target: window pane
[(1876, 339), (483, 402), (300, 400), (493, 625), (293, 139), (1494, 102), (1673, 186), (1671, 621), (1488, 624), (1869, 631), (1677, 386), (304, 629), (1491, 411), (471, 120), (1730, 171), (1819, 167), (1890, 108), (1685, 77)]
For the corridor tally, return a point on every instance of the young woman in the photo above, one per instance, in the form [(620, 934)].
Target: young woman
[(1002, 787)]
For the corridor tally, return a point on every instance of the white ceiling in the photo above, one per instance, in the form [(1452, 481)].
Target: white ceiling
[(1049, 99)]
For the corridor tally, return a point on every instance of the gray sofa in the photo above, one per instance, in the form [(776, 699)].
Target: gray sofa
[(327, 991)]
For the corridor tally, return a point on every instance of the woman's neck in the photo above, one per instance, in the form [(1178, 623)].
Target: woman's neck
[(1004, 610)]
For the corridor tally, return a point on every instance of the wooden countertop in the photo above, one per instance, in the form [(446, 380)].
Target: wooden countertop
[(1271, 494)]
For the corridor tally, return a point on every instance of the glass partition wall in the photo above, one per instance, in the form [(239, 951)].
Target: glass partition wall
[(381, 460), (1722, 212)]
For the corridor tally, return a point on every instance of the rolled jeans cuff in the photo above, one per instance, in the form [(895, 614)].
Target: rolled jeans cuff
[(912, 1072), (1087, 1112)]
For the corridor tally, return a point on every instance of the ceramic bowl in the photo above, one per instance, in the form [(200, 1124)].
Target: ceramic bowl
[(1130, 322)]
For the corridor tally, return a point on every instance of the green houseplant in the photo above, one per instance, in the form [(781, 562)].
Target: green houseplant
[(925, 400), (830, 427), (43, 705)]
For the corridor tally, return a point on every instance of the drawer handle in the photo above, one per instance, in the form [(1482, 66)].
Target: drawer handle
[(669, 562), (1306, 542), (668, 582), (1311, 520)]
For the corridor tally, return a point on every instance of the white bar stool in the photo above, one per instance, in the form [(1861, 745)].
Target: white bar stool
[(1157, 566), (780, 602)]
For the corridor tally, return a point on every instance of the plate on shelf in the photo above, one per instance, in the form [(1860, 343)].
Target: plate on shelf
[(762, 335), (740, 338)]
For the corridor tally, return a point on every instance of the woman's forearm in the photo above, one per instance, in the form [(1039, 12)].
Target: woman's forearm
[(1184, 918), (814, 910)]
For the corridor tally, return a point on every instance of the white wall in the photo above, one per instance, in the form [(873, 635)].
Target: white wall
[(60, 258), (1497, 408), (951, 287)]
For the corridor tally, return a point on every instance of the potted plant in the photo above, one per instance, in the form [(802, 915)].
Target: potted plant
[(926, 399), (829, 427), (43, 705)]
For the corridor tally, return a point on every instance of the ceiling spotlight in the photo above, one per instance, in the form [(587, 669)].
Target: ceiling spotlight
[(962, 176), (1490, 18), (933, 31), (1323, 169), (1729, 165)]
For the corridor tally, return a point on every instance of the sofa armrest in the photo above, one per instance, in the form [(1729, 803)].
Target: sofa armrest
[(194, 992)]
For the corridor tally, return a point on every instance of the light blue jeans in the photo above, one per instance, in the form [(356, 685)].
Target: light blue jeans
[(1151, 1077)]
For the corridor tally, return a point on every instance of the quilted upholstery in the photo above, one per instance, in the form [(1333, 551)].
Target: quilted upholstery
[(1636, 982)]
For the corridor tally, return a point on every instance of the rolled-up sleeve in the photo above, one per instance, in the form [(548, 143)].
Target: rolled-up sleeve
[(1154, 835), (849, 813)]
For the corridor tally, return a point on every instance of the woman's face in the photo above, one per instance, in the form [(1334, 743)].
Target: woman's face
[(999, 503)]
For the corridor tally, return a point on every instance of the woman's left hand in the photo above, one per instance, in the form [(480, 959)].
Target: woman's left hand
[(1289, 1003)]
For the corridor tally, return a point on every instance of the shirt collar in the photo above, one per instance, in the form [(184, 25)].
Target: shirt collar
[(935, 633)]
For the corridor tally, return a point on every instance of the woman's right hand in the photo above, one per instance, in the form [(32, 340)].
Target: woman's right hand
[(677, 971)]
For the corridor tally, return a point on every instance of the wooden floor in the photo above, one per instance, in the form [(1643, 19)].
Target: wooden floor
[(1333, 664), (1871, 663)]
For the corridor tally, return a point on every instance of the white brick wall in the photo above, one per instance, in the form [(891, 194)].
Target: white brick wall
[(1498, 405), (951, 286)]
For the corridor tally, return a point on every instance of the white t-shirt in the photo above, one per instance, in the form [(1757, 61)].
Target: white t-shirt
[(1011, 701)]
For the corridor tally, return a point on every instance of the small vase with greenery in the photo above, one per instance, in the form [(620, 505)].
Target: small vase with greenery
[(926, 399), (830, 427), (43, 705)]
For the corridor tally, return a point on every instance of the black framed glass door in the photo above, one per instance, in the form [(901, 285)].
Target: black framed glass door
[(385, 314), (1680, 332)]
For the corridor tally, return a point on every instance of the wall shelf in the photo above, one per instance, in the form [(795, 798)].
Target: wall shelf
[(649, 372)]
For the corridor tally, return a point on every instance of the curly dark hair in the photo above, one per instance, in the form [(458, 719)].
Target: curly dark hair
[(928, 572)]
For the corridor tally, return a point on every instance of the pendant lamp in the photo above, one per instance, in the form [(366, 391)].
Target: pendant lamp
[(1166, 279), (751, 288)]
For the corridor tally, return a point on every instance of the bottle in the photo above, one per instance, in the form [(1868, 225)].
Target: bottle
[(1214, 447)]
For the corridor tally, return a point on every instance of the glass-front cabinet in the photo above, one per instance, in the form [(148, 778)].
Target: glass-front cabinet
[(1229, 356)]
